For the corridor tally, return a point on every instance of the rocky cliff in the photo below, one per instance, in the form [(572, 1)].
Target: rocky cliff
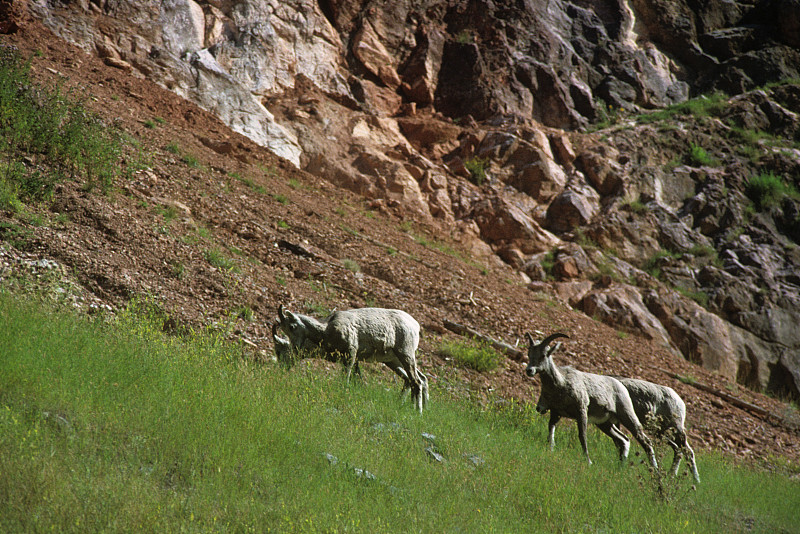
[(612, 152)]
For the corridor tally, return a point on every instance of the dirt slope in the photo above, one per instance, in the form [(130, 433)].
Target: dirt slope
[(218, 225)]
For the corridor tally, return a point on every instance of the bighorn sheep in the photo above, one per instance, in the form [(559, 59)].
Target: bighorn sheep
[(585, 397), (669, 410), (364, 334)]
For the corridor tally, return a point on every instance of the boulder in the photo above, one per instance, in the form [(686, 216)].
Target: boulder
[(601, 171), (622, 307), (501, 219), (422, 69), (573, 207), (369, 50), (394, 182)]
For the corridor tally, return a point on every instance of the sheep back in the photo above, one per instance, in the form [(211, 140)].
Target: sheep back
[(658, 400), (373, 332)]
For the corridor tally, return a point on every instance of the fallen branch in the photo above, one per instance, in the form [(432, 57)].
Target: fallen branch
[(512, 352)]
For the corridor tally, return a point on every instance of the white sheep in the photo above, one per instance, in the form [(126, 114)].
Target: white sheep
[(364, 334), (668, 411), (585, 397)]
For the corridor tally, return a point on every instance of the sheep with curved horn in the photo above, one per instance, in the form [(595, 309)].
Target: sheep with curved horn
[(585, 397), (363, 334)]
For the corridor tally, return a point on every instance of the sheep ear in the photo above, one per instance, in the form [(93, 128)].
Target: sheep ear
[(281, 312), (554, 348)]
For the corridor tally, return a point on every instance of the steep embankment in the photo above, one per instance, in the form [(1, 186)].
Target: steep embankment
[(463, 115), (215, 224)]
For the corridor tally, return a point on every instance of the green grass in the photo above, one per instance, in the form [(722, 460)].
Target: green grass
[(473, 354), (768, 190), (702, 106), (651, 264), (47, 137), (218, 259), (699, 156), (111, 426)]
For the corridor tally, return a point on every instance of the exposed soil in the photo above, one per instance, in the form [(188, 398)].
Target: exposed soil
[(223, 226)]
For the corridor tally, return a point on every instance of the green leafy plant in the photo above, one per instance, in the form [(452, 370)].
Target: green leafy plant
[(699, 156), (768, 190), (191, 161), (218, 259), (636, 206), (607, 115), (464, 37), (699, 107), (477, 169), (651, 264), (55, 133)]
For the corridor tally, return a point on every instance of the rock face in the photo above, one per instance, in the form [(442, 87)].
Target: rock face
[(466, 115)]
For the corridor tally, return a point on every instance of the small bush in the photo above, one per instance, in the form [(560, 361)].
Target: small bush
[(477, 169), (699, 156), (351, 265), (651, 265), (53, 131), (768, 190), (219, 260), (702, 106), (465, 37), (473, 354)]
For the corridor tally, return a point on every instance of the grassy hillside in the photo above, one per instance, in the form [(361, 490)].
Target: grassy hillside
[(109, 425)]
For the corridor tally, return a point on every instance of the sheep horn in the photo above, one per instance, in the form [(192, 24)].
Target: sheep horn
[(549, 339), (281, 313), (275, 330)]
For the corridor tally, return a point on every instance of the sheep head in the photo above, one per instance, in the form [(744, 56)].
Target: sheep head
[(538, 353), (283, 347), (305, 333)]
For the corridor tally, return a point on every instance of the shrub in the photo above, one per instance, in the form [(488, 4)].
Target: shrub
[(219, 260), (699, 156), (54, 131), (477, 169), (351, 265), (768, 190), (651, 266)]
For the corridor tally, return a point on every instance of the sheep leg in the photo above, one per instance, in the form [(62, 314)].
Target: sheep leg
[(619, 439), (425, 393), (631, 422), (677, 456), (683, 446), (551, 430), (399, 371), (583, 423), (410, 368), (645, 442), (351, 363)]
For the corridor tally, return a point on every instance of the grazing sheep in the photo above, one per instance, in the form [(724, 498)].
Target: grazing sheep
[(585, 397), (364, 334), (668, 411), (283, 347)]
